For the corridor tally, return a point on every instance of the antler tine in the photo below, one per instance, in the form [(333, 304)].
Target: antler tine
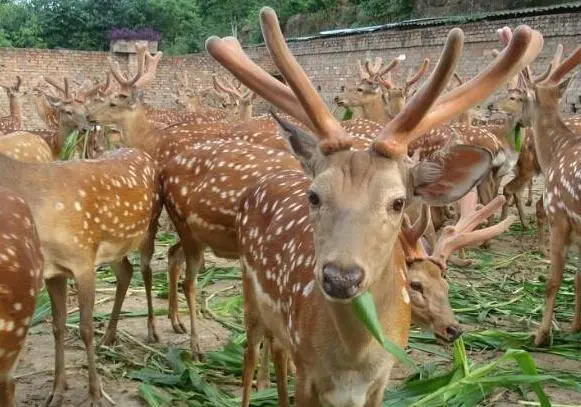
[(410, 235), (505, 34), (394, 137), (450, 240), (67, 88), (151, 63), (524, 47), (141, 50), (54, 84), (373, 70), (414, 232), (107, 86), (470, 217), (388, 68), (229, 88), (230, 55), (361, 72), (565, 67), (332, 136), (421, 72), (458, 78)]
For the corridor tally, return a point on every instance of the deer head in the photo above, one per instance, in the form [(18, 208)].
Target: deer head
[(242, 99), (13, 91), (396, 96), (120, 107), (357, 198), (186, 96)]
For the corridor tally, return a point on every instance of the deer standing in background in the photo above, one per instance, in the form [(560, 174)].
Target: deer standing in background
[(14, 120), (243, 99), (558, 149), (306, 311), (21, 265)]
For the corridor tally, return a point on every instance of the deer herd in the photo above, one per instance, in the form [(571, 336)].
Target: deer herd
[(317, 210)]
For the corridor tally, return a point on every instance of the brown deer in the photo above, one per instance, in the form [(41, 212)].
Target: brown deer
[(21, 265), (557, 148), (14, 120), (25, 146), (101, 215), (244, 99), (306, 311)]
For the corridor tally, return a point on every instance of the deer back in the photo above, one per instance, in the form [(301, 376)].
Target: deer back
[(25, 146), (21, 279)]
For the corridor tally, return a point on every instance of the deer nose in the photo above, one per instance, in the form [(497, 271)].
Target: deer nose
[(453, 332), (341, 282)]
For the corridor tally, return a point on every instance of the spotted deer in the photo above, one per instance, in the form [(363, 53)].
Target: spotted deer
[(366, 98), (244, 99), (14, 120), (87, 213), (558, 148), (21, 265), (25, 146), (300, 276)]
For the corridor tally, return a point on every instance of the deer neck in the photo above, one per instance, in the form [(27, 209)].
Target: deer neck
[(550, 134), (373, 110), (245, 112), (138, 132), (15, 111), (393, 310)]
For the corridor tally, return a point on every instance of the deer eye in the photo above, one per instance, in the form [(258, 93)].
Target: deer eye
[(313, 198), (417, 286), (398, 204)]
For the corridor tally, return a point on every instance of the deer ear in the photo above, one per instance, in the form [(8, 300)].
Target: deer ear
[(447, 178), (303, 145), (55, 102)]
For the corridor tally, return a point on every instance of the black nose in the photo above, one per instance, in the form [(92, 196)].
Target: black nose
[(453, 332), (341, 283)]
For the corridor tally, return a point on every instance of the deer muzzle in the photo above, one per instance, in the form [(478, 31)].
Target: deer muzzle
[(342, 283)]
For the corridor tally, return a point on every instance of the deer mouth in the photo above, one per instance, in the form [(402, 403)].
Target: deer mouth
[(448, 334)]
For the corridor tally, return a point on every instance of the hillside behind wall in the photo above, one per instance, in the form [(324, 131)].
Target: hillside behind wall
[(330, 62)]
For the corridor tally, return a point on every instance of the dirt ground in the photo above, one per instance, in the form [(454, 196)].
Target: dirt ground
[(34, 373)]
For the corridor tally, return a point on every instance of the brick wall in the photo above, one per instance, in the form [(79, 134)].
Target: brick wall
[(330, 62)]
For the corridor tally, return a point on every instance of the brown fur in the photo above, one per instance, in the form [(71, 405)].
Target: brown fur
[(21, 265)]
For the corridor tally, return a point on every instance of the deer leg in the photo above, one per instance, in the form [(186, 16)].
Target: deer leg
[(255, 335), (146, 251), (576, 327), (86, 284), (7, 389), (541, 220), (57, 291), (529, 201), (194, 253), (375, 398), (521, 211), (123, 273), (176, 258), (305, 395), (263, 376), (559, 245), (281, 368)]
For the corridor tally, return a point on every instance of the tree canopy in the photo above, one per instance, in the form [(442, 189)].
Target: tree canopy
[(184, 24)]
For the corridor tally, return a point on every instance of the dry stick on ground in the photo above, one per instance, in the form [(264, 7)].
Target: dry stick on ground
[(306, 309)]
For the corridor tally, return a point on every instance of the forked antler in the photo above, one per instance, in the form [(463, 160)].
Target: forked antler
[(413, 79), (422, 113), (64, 90), (146, 69), (362, 73), (418, 116), (411, 234), (560, 69), (463, 234), (373, 69), (226, 88), (15, 87), (383, 76)]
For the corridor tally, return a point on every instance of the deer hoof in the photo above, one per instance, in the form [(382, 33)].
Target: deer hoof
[(541, 337), (54, 399)]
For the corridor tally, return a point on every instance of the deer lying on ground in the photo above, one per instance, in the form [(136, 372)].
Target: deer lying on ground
[(558, 149), (21, 265), (14, 120), (308, 312)]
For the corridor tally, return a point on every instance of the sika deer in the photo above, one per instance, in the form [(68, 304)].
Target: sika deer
[(14, 120), (24, 146), (558, 150), (300, 276), (87, 213), (243, 99), (20, 281)]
